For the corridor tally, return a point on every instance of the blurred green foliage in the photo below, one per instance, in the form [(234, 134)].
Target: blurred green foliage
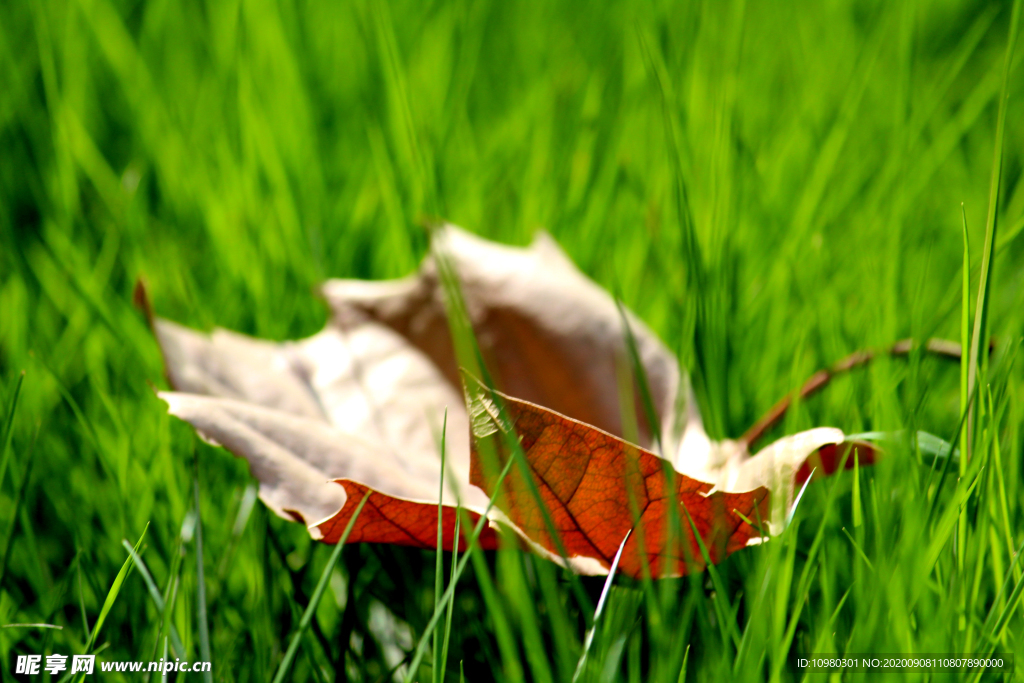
[(771, 186)]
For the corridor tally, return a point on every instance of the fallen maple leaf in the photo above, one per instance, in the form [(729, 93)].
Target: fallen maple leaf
[(363, 401)]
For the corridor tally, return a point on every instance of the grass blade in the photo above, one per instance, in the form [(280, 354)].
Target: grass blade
[(1004, 617), (9, 428), (946, 523), (730, 632), (421, 646), (16, 509), (158, 600), (682, 669), (589, 639), (115, 588), (640, 375), (163, 675), (978, 358), (990, 620), (451, 603), (438, 675), (965, 328), (858, 514), (307, 615), (201, 616), (858, 549)]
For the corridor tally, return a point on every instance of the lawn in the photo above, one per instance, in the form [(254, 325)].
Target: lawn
[(769, 186)]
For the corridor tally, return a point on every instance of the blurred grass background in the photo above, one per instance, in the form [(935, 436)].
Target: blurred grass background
[(771, 186)]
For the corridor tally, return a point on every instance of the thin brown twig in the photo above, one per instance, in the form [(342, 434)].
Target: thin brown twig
[(939, 347)]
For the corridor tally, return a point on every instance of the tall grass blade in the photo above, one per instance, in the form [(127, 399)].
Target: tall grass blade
[(946, 524), (730, 632), (314, 601), (858, 513), (991, 619), (640, 375), (609, 580), (154, 594), (796, 504), (421, 646), (979, 335), (451, 603), (19, 500), (1004, 617), (115, 588), (9, 428), (859, 550), (477, 378), (201, 616), (437, 673), (965, 331), (682, 669)]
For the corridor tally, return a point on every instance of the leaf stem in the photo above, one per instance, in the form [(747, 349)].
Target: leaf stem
[(938, 347)]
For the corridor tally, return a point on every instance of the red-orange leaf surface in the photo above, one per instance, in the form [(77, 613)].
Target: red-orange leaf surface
[(597, 487), (829, 457), (387, 519)]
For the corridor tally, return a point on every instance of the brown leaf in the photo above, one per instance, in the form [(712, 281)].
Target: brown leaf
[(365, 399), (363, 402), (597, 487)]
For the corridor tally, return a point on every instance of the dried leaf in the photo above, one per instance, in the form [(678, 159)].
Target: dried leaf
[(358, 408)]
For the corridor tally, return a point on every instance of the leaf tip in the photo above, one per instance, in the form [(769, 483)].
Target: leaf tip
[(140, 299)]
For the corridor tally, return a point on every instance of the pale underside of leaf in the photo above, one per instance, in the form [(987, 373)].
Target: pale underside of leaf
[(356, 404)]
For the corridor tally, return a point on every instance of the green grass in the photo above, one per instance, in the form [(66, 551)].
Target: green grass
[(771, 186)]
